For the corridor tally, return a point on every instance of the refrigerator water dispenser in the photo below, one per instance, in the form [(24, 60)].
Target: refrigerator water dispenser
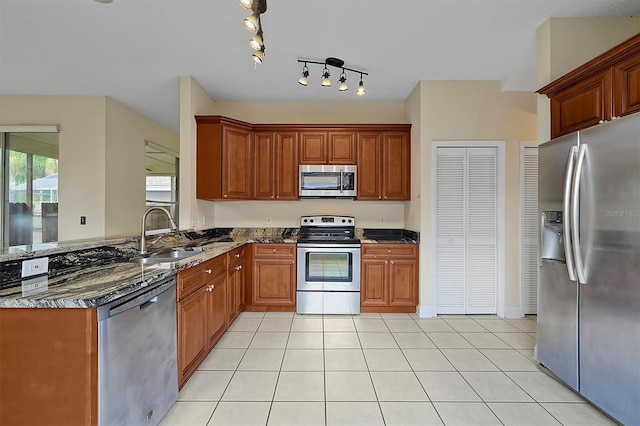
[(552, 244)]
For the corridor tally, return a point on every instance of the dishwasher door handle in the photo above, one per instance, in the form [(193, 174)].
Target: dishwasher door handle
[(149, 303)]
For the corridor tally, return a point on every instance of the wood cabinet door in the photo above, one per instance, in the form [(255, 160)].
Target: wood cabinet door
[(286, 166), (403, 282), (236, 163), (369, 166), (232, 309), (626, 87), (274, 282), (396, 158), (239, 282), (217, 313), (374, 289), (208, 161), (192, 333), (341, 148), (313, 147), (264, 149), (582, 105)]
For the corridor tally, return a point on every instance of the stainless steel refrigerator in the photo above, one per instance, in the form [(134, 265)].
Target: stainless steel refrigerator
[(589, 293)]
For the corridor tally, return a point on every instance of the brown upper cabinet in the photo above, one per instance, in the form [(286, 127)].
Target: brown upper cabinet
[(223, 159), (603, 89), (384, 164), (276, 165), (333, 147)]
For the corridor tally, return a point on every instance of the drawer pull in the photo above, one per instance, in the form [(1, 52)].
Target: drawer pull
[(237, 255), (208, 271), (274, 250)]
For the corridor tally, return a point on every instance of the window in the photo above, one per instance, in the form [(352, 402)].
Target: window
[(162, 184), (29, 186)]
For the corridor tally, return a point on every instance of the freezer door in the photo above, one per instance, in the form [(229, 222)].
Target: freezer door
[(610, 250), (557, 345)]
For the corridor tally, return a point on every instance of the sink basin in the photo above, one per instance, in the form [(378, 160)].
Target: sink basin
[(171, 255)]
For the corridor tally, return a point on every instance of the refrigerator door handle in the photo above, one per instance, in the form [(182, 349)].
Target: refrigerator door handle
[(566, 207), (575, 207)]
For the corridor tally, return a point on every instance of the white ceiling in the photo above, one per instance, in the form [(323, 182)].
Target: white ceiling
[(135, 50)]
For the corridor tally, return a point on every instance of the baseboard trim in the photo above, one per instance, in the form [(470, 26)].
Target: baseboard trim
[(425, 311), (513, 312)]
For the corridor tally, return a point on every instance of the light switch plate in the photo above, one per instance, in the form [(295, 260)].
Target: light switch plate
[(35, 267)]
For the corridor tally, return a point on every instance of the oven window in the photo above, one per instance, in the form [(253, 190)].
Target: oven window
[(334, 267)]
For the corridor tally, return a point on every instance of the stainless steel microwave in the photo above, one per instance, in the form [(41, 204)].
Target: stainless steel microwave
[(328, 181)]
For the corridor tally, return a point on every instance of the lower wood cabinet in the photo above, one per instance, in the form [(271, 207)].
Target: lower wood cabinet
[(389, 278), (236, 283), (201, 312), (273, 277)]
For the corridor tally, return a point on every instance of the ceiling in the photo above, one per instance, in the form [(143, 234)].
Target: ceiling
[(135, 50)]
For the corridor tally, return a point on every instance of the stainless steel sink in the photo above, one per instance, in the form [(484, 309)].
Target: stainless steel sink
[(171, 255)]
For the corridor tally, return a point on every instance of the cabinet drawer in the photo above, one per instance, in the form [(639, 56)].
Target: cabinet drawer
[(236, 256), (373, 251), (274, 250), (193, 278)]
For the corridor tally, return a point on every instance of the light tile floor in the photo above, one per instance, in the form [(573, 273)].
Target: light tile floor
[(377, 369)]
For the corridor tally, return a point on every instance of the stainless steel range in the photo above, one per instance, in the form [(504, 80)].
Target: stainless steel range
[(328, 266)]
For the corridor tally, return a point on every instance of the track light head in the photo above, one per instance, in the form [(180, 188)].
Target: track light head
[(360, 90), (247, 4), (258, 56), (342, 86), (325, 78), (251, 22), (256, 41), (303, 78)]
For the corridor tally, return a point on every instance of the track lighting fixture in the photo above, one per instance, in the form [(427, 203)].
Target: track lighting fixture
[(343, 82), (326, 82), (360, 90), (305, 73), (254, 24)]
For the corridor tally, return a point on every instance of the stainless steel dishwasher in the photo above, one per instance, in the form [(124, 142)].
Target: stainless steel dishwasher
[(137, 357)]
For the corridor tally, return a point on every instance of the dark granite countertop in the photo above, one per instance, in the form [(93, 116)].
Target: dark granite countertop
[(94, 275)]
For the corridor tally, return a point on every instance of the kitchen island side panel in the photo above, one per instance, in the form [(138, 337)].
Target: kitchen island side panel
[(48, 366)]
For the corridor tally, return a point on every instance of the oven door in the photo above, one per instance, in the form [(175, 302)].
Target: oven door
[(328, 267)]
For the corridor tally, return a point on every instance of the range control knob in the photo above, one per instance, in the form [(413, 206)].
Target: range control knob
[(305, 221), (311, 220), (349, 220), (343, 221)]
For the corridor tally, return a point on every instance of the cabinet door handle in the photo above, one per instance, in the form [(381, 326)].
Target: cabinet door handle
[(208, 271), (389, 251), (392, 262), (224, 196), (386, 262), (237, 255), (274, 250)]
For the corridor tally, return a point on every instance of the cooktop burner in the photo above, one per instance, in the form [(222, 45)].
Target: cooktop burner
[(328, 229)]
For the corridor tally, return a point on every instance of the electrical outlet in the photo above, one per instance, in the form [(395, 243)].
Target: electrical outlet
[(204, 220), (35, 267), (194, 222), (268, 220), (381, 220), (83, 220)]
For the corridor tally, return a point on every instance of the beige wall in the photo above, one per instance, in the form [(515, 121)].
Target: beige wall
[(473, 111), (81, 179), (101, 164), (193, 101), (564, 44), (126, 132), (282, 213)]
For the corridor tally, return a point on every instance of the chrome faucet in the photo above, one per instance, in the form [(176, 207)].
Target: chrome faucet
[(143, 235)]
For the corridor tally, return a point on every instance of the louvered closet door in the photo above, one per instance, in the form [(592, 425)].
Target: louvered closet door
[(530, 230), (466, 230)]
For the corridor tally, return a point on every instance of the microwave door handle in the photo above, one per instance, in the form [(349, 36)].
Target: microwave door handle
[(341, 180)]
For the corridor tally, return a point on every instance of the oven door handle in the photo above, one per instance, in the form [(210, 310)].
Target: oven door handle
[(321, 247), (341, 181)]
